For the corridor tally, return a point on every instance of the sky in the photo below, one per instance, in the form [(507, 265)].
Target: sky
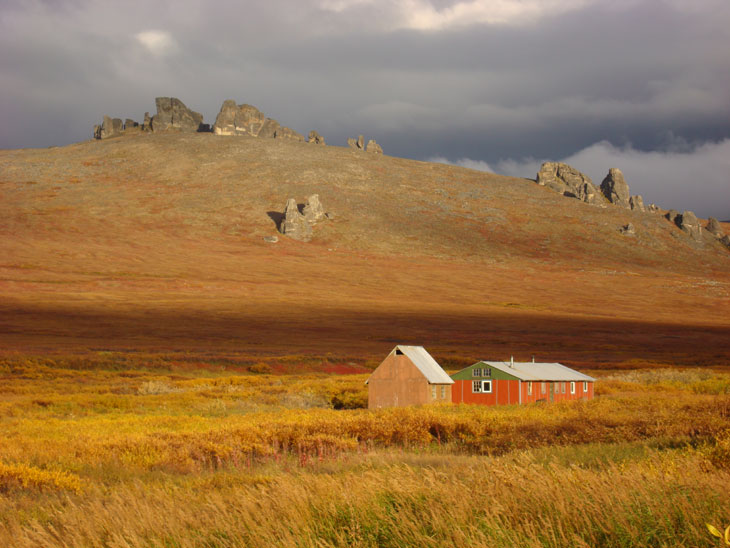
[(497, 85)]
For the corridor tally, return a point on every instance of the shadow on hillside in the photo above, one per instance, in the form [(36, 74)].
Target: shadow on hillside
[(277, 217)]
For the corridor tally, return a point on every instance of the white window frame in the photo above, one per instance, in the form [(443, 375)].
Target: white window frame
[(543, 388), (443, 392), (562, 387), (477, 385), (476, 372), (486, 384), (487, 372), (529, 388), (585, 387), (572, 387), (433, 392)]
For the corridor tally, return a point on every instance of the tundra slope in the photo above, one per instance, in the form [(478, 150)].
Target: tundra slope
[(156, 241)]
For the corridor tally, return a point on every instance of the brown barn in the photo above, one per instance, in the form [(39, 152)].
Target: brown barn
[(505, 383), (408, 376)]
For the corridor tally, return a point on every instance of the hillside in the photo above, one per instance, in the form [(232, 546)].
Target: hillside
[(154, 242)]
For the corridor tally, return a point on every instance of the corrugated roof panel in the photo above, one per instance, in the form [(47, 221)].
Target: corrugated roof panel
[(426, 364), (529, 371)]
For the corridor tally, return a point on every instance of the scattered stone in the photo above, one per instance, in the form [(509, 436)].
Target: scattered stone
[(315, 138), (352, 143), (374, 147), (130, 124), (628, 229), (725, 240), (714, 228), (173, 114), (294, 224), (615, 188), (653, 208), (329, 215), (271, 239), (313, 210), (568, 181), (637, 203), (689, 223)]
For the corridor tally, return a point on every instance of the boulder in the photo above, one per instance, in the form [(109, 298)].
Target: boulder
[(725, 240), (568, 181), (110, 127), (689, 223), (130, 124), (239, 120), (315, 138), (271, 239), (147, 124), (173, 114), (653, 208), (628, 229), (313, 210), (357, 144), (714, 228), (637, 203), (615, 188), (294, 224), (352, 143), (374, 147)]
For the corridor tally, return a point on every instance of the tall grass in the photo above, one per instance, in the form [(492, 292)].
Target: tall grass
[(100, 457)]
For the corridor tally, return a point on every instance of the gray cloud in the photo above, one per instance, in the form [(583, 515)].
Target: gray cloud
[(456, 79)]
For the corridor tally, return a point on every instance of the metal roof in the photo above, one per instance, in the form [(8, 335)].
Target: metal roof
[(529, 371), (425, 363)]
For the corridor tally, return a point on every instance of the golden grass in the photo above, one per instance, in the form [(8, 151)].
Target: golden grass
[(100, 457)]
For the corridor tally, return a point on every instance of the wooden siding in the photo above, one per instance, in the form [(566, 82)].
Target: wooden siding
[(397, 382)]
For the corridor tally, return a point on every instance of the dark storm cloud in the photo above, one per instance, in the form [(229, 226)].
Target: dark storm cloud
[(490, 82)]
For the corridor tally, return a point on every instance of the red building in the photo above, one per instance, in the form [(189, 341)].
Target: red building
[(505, 383)]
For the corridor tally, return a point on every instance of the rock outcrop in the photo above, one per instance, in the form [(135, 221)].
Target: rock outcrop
[(568, 181), (110, 127), (689, 223), (725, 240), (357, 144), (653, 208), (672, 215), (244, 119), (130, 124), (615, 188), (374, 147), (315, 138), (637, 203), (147, 123), (172, 114), (294, 224), (313, 210)]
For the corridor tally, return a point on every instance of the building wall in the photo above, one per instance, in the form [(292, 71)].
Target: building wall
[(507, 392), (397, 382)]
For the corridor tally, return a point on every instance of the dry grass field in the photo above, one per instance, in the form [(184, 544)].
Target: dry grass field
[(166, 456), (170, 379)]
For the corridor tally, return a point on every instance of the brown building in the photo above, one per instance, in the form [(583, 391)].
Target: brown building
[(408, 376)]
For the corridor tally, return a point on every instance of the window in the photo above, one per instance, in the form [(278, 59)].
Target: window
[(562, 388), (433, 392), (443, 392), (572, 387), (476, 372), (529, 388), (487, 372), (476, 387), (585, 387), (557, 387), (543, 388), (487, 387)]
